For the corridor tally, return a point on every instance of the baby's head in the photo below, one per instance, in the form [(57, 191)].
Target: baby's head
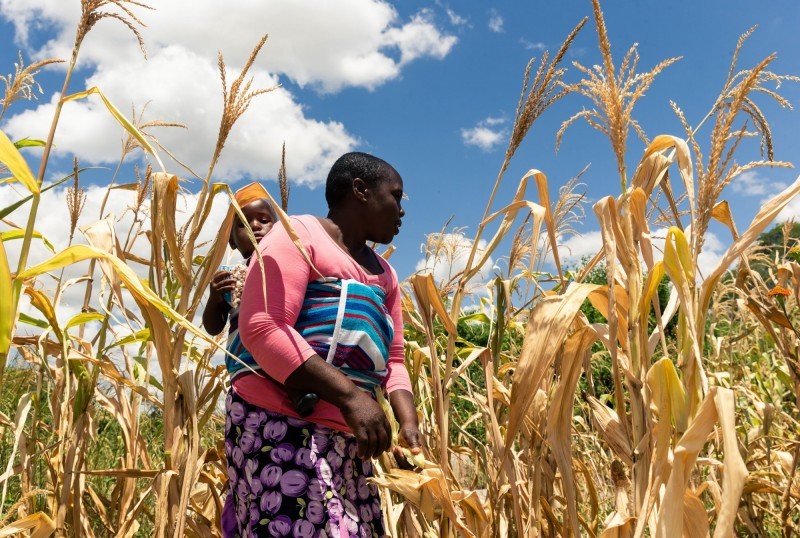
[(260, 215)]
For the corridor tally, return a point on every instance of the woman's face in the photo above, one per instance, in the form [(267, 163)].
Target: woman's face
[(384, 211)]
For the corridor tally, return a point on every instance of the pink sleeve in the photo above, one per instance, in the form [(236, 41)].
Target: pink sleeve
[(267, 331), (398, 374)]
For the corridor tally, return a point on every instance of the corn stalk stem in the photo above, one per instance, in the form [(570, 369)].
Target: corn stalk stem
[(26, 240)]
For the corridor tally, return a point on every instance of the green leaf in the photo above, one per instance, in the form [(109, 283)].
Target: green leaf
[(19, 234), (477, 316), (140, 368), (16, 164), (139, 336), (30, 320), (84, 317), (10, 209), (29, 143)]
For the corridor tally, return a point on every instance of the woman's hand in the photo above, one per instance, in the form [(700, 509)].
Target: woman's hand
[(368, 422), (408, 438), (363, 414), (402, 402)]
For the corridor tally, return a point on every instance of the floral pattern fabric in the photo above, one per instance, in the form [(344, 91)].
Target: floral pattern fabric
[(290, 477)]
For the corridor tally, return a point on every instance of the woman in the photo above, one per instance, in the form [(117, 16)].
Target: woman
[(331, 324)]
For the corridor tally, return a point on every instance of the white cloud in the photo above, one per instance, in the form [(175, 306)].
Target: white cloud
[(495, 21), (751, 183), (571, 251), (790, 212), (486, 135), (710, 255), (420, 38), (530, 45), (52, 222), (455, 18), (446, 258), (328, 46)]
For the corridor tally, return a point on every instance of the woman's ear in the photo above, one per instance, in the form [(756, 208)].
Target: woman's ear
[(360, 190)]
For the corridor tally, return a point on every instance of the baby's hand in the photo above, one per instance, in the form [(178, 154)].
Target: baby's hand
[(221, 282)]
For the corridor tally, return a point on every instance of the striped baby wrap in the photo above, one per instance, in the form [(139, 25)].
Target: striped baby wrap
[(347, 323), (351, 315)]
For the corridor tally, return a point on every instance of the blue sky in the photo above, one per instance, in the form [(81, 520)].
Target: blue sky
[(408, 81)]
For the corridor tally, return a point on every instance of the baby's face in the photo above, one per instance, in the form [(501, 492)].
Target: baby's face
[(260, 217)]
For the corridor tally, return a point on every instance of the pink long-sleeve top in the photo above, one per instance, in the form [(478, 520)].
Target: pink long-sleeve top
[(269, 334)]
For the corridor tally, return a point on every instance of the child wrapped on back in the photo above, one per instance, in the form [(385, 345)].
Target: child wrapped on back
[(225, 292), (226, 285)]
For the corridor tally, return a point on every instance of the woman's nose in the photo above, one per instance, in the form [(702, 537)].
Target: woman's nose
[(402, 212)]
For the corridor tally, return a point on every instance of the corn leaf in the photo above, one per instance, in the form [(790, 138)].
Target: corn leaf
[(548, 326), (20, 234), (141, 335), (11, 208), (30, 320), (6, 306), (16, 164), (39, 523), (141, 292), (29, 143), (119, 116), (84, 317)]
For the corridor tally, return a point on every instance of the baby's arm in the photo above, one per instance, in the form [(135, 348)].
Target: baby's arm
[(215, 315)]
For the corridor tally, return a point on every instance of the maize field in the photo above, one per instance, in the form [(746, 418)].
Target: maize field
[(663, 404)]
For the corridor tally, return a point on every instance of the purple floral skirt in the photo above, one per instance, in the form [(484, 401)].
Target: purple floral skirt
[(290, 477)]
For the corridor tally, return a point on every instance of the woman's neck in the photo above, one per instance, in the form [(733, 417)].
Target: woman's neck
[(343, 231)]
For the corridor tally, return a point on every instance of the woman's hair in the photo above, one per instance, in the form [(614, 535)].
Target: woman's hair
[(350, 166)]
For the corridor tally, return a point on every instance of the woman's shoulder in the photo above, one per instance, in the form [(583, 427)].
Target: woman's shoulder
[(307, 223), (389, 276)]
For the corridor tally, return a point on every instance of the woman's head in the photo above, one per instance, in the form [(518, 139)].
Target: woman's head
[(368, 190), (260, 216)]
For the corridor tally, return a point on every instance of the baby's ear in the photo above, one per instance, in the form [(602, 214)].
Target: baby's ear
[(231, 241)]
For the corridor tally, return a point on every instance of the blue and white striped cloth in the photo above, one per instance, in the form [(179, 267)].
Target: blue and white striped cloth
[(345, 322)]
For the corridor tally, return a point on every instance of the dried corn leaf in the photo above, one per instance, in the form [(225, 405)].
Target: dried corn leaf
[(101, 235), (695, 519), (611, 429), (430, 301), (734, 471), (559, 417), (40, 525), (509, 214), (548, 326), (662, 143), (763, 218), (165, 200)]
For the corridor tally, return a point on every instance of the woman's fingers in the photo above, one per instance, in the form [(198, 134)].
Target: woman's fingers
[(372, 438), (384, 438), (410, 439)]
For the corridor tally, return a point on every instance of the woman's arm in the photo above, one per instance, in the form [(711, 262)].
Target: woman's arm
[(363, 414), (398, 384), (268, 333)]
